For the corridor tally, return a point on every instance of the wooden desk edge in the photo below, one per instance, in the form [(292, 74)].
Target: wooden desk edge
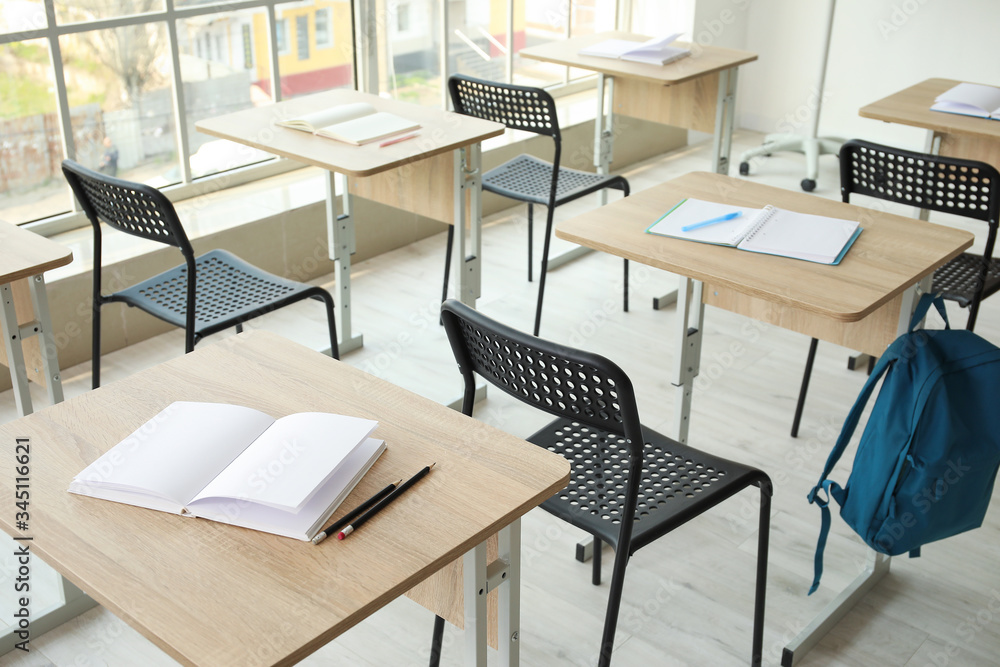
[(358, 173), (605, 65)]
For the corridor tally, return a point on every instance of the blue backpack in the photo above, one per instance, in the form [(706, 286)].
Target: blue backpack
[(927, 459)]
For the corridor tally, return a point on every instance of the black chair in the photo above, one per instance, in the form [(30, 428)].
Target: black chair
[(204, 295), (950, 185), (527, 178), (628, 484)]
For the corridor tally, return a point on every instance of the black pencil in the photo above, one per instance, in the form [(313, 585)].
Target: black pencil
[(382, 503), (350, 516)]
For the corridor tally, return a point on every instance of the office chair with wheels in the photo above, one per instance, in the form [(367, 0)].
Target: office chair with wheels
[(950, 185), (628, 484), (205, 294), (527, 178)]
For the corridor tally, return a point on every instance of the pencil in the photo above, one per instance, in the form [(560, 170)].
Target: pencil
[(382, 503), (390, 142), (353, 514)]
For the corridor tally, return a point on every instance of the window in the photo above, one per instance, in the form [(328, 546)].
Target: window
[(302, 36), (282, 34), (324, 32), (247, 47), (403, 17), (117, 79)]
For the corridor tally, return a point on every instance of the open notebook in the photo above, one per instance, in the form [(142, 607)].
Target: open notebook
[(970, 99), (237, 465), (357, 123), (769, 230)]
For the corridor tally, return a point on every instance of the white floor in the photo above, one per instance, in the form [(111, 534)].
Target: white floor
[(688, 597)]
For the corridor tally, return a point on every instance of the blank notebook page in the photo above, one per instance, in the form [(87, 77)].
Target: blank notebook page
[(802, 236)]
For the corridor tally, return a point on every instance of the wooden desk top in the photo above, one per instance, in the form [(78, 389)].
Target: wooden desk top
[(213, 594), (912, 106), (27, 254), (891, 254), (440, 131), (703, 59)]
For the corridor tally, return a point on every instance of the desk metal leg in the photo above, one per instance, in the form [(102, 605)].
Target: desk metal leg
[(15, 353), (340, 234), (506, 573), (47, 343), (479, 578), (687, 360), (468, 233), (725, 110), (877, 564), (722, 142), (876, 568), (475, 585)]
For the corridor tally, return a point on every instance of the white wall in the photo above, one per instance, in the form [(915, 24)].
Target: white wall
[(878, 47)]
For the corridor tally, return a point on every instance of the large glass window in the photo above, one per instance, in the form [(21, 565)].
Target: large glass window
[(115, 101)]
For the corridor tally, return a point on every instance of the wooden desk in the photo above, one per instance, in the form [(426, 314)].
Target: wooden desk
[(862, 303), (697, 92), (429, 175), (212, 594), (29, 351), (949, 134)]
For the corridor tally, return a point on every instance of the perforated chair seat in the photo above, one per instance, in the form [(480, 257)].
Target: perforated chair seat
[(678, 482), (529, 179), (228, 291), (224, 290), (958, 280)]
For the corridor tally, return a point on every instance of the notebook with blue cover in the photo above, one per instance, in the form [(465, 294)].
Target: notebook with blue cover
[(769, 230)]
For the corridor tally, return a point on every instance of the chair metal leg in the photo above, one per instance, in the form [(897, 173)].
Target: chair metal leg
[(625, 296), (95, 350), (436, 642), (545, 267), (804, 388), (595, 577), (764, 531), (331, 323), (531, 238), (614, 604), (447, 262)]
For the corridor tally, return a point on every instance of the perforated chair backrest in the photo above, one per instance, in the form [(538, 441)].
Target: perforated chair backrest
[(133, 208), (950, 185), (560, 380), (517, 107)]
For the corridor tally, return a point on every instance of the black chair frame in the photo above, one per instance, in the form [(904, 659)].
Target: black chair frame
[(962, 187), (628, 485), (527, 178), (205, 294)]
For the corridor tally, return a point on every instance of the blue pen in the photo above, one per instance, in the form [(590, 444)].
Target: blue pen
[(706, 223)]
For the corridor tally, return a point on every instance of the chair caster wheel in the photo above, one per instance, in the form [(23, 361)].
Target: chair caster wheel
[(808, 184), (744, 168)]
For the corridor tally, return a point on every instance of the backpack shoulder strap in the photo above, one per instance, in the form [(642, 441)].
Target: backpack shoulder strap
[(831, 488)]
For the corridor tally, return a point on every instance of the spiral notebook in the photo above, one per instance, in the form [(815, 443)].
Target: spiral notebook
[(770, 230)]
